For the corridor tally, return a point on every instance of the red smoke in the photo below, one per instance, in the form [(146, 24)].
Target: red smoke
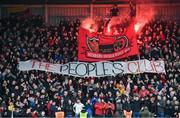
[(144, 16), (137, 27), (89, 24), (113, 21), (116, 21), (108, 31)]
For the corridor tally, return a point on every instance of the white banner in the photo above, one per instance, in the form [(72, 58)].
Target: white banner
[(97, 69)]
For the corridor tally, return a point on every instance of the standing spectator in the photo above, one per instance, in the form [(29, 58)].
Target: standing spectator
[(68, 109), (161, 106), (53, 109), (78, 106), (168, 109), (143, 92), (121, 88), (100, 108), (89, 108), (114, 11), (65, 101), (110, 108), (95, 98), (135, 90), (127, 109), (83, 113), (49, 103), (119, 105), (136, 107), (145, 113), (153, 105), (132, 8)]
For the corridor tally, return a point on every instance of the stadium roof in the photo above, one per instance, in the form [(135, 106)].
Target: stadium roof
[(82, 1)]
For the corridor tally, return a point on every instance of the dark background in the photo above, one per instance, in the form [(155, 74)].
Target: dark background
[(82, 1)]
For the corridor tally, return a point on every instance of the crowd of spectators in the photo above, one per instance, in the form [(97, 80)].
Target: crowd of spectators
[(42, 94)]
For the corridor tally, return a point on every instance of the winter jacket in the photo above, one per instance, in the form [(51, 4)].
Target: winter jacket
[(78, 107), (119, 109), (109, 109), (99, 108), (161, 106), (136, 106), (68, 110), (89, 108), (145, 113), (127, 106)]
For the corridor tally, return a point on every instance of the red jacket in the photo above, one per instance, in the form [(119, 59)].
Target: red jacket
[(143, 93), (109, 105), (51, 42), (100, 108), (135, 91)]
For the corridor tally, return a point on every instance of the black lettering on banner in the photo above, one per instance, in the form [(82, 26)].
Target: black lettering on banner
[(63, 68), (98, 70), (90, 69), (105, 71), (72, 70), (118, 68), (81, 69)]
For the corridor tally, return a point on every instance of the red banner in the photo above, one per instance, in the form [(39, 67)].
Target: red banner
[(97, 47)]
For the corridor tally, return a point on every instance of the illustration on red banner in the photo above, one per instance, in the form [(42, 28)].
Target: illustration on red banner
[(116, 46)]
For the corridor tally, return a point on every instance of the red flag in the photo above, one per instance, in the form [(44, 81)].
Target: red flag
[(97, 47)]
